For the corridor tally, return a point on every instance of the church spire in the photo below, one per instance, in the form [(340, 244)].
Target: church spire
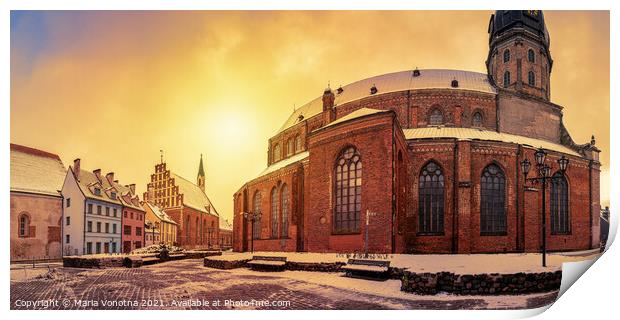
[(201, 175)]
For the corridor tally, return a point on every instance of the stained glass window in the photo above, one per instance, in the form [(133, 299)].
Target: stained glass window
[(431, 199), (348, 191), (560, 219), (492, 200)]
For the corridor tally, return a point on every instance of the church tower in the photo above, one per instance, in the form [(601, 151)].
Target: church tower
[(201, 175), (519, 58)]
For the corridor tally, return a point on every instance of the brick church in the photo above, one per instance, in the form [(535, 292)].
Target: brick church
[(187, 204), (428, 161)]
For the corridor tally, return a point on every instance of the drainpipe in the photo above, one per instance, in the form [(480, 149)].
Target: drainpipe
[(454, 198)]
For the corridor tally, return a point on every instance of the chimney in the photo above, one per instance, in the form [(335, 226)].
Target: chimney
[(328, 99), (132, 187), (328, 105), (110, 177), (97, 173), (76, 168)]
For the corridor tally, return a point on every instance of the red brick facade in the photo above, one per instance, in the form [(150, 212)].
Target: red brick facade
[(382, 127), (132, 230), (187, 204)]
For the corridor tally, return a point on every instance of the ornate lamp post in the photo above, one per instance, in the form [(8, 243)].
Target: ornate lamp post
[(544, 174), (253, 217)]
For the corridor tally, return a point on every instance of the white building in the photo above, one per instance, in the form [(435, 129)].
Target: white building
[(93, 210)]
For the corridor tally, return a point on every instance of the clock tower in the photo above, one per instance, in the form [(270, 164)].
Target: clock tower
[(519, 59)]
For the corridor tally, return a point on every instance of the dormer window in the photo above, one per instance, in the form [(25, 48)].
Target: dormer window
[(113, 195), (97, 191)]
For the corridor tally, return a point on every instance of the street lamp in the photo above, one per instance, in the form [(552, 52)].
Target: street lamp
[(253, 217), (544, 174)]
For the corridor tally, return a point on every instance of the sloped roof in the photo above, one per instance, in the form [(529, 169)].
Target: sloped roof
[(283, 163), (356, 114), (36, 171), (124, 192), (225, 225), (193, 197), (159, 213), (86, 181), (394, 82), (479, 134)]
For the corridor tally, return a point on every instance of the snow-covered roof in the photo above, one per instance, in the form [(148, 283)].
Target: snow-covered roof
[(283, 163), (36, 171), (128, 198), (159, 213), (394, 82), (479, 134), (193, 196), (88, 182), (356, 114)]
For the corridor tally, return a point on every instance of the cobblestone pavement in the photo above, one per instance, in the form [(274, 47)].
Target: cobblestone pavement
[(187, 284)]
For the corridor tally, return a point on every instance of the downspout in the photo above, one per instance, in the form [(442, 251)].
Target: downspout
[(517, 189), (454, 198), (590, 202), (393, 185), (84, 227), (62, 221)]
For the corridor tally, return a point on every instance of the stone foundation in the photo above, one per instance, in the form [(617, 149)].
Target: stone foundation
[(480, 284)]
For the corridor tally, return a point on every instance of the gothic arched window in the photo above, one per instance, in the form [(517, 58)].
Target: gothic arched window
[(285, 201), (348, 191), (431, 199), (274, 212), (297, 144), (198, 227), (187, 228), (531, 57), (506, 55), (492, 200), (506, 79), (24, 226), (560, 219), (436, 117), (257, 204), (290, 148), (276, 152), (476, 119), (531, 78)]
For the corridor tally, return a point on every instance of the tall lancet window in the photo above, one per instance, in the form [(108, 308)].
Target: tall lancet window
[(257, 205), (431, 199), (493, 201), (285, 209), (560, 219), (348, 191), (274, 212)]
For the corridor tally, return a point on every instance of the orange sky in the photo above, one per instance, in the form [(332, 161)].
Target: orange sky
[(113, 88)]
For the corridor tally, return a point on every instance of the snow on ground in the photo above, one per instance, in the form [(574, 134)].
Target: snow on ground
[(457, 263), (388, 288), (25, 272)]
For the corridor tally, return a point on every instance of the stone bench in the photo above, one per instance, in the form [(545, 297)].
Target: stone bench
[(367, 268), (267, 263)]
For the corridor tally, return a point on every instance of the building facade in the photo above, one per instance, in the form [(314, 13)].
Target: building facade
[(226, 235), (94, 209), (428, 161), (162, 224), (36, 204), (187, 204), (133, 217), (151, 234)]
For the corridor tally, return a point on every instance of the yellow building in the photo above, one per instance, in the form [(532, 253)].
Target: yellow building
[(165, 226)]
